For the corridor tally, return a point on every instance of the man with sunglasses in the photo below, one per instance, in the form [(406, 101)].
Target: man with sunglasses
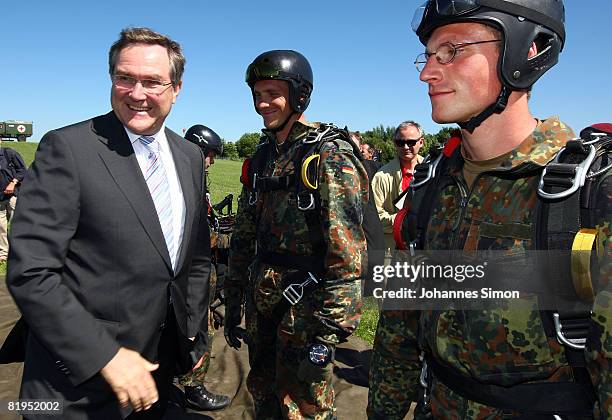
[(297, 251), (110, 247), (395, 177), (481, 59)]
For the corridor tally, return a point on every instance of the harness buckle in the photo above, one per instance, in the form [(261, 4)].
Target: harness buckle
[(253, 197), (423, 376), (412, 247), (431, 172), (316, 135), (577, 173), (424, 382), (574, 343), (295, 291), (305, 205)]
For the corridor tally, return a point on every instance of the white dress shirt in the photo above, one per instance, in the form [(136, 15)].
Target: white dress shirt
[(176, 193)]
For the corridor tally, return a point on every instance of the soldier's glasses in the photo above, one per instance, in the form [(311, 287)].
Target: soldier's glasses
[(409, 142), (446, 53), (151, 86)]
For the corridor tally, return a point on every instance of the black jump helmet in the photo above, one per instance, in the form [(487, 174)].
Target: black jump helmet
[(287, 65), (206, 138), (521, 22)]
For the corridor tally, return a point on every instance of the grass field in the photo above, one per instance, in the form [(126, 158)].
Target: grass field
[(25, 149), (224, 178)]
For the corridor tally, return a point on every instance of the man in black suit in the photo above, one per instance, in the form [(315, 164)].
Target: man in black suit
[(110, 249)]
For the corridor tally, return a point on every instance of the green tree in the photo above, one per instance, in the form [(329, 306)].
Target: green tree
[(229, 150), (436, 140), (381, 138), (246, 144)]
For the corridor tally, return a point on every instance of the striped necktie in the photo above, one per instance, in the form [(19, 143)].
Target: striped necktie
[(160, 192)]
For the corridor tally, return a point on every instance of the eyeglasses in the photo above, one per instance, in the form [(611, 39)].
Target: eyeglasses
[(409, 142), (446, 53), (150, 86)]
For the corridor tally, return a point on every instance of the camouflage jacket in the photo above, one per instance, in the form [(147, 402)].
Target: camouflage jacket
[(275, 224), (501, 346)]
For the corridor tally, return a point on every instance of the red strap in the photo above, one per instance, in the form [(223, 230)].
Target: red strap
[(244, 177), (605, 127), (452, 143), (400, 243)]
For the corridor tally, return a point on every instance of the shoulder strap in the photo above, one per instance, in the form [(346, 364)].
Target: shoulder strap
[(307, 162), (437, 169), (566, 221)]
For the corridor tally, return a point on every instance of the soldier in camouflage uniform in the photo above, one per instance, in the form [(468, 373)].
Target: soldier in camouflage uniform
[(196, 394), (291, 350), (489, 203)]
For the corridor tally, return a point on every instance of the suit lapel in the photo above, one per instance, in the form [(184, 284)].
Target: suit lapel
[(185, 176), (121, 162)]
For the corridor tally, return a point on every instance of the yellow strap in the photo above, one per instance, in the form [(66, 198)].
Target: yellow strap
[(305, 165), (581, 263)]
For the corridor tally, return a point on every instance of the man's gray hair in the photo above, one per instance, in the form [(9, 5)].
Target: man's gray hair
[(131, 36), (407, 124)]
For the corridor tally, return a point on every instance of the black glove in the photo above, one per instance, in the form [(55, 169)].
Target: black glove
[(234, 335), (233, 317)]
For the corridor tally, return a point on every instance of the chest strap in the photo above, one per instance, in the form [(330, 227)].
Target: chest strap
[(304, 263), (274, 183)]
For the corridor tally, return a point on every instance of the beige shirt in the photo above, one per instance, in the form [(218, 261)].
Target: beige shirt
[(473, 168), (387, 186)]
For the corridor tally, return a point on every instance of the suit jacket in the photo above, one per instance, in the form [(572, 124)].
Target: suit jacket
[(88, 264)]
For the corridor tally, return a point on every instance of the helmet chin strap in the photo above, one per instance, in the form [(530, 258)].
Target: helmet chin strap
[(495, 108), (282, 126)]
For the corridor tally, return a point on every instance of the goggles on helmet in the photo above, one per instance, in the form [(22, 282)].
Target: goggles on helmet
[(443, 8), (452, 8), (264, 70)]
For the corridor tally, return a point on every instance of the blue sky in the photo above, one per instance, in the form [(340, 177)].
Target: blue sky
[(54, 60)]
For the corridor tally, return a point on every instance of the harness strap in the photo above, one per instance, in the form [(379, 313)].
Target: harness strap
[(569, 398), (273, 183), (556, 224), (564, 222), (312, 263), (424, 202)]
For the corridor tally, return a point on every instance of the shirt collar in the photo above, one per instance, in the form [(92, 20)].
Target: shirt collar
[(134, 137), (299, 130), (540, 147)]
